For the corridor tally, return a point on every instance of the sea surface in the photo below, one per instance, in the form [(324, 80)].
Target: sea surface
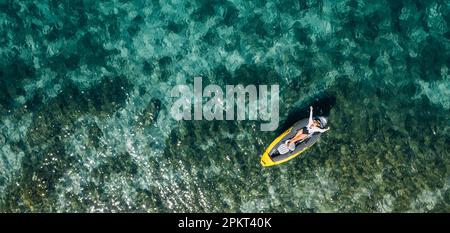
[(85, 123)]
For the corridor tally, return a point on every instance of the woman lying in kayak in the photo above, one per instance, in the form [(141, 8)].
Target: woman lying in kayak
[(312, 127)]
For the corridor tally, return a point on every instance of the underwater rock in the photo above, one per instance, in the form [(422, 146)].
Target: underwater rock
[(150, 114), (95, 133), (2, 139), (122, 163)]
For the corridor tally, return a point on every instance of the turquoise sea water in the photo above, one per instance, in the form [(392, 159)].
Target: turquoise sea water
[(85, 121)]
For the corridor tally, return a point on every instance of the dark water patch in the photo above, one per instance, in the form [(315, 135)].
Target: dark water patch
[(150, 114), (221, 73), (71, 17), (135, 26), (433, 56), (176, 27), (13, 75), (164, 64), (165, 61), (302, 33), (395, 8), (256, 26), (94, 52), (251, 74), (211, 38), (64, 62), (233, 43), (230, 15), (148, 68), (205, 10)]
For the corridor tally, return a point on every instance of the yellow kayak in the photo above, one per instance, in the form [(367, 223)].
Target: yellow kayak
[(272, 155)]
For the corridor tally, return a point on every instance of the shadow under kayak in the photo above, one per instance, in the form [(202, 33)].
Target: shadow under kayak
[(272, 157)]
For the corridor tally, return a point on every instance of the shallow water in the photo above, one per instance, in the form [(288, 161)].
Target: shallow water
[(85, 111)]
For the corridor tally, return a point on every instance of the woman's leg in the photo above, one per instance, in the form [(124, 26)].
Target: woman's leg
[(298, 137)]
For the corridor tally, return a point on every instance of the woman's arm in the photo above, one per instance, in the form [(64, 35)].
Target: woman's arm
[(315, 129)]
